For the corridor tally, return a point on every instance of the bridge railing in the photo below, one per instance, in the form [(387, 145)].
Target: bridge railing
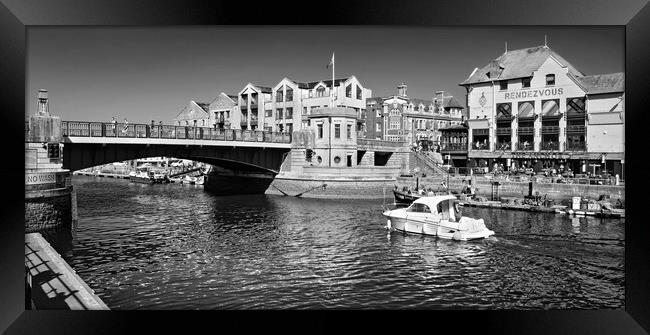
[(101, 129)]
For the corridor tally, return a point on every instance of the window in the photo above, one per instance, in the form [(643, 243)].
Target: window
[(503, 85), (504, 110), (311, 93), (278, 95), (349, 131), (550, 79), (378, 128), (378, 112), (319, 159), (268, 113), (320, 131), (337, 159), (359, 93), (289, 113), (320, 92), (525, 82), (278, 114), (575, 106), (289, 94), (394, 125), (289, 128), (348, 91), (304, 111), (227, 114), (337, 131)]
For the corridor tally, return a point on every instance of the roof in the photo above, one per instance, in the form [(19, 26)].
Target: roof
[(263, 89), (234, 98), (204, 105), (603, 83), (454, 127), (432, 202), (517, 64), (450, 102), (327, 82), (300, 85)]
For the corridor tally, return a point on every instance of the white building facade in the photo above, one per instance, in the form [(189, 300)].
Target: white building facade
[(532, 108)]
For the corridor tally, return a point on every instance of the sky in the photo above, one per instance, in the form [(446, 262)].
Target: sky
[(151, 73)]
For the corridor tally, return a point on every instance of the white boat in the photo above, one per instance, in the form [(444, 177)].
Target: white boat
[(200, 180), (189, 180), (438, 216)]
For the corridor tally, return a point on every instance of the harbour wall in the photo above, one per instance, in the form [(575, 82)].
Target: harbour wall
[(555, 191), (359, 182)]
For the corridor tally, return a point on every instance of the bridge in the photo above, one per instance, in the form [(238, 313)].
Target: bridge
[(88, 144)]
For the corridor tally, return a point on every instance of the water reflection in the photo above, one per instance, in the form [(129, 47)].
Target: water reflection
[(174, 246)]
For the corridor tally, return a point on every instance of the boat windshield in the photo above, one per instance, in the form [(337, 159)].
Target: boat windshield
[(419, 208)]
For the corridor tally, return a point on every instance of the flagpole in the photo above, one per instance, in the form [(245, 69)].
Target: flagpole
[(332, 109)]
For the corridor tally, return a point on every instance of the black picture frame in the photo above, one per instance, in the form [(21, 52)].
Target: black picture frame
[(18, 15)]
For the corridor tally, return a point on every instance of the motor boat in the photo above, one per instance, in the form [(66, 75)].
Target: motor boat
[(438, 216)]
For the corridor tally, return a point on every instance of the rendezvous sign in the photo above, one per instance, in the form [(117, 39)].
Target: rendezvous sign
[(40, 178)]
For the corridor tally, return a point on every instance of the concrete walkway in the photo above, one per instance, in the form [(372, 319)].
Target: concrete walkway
[(54, 284)]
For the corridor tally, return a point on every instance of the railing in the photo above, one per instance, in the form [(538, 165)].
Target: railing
[(550, 146), (550, 129), (526, 130), (454, 146), (480, 146), (504, 146), (582, 146), (575, 129), (98, 129), (525, 146), (504, 131), (393, 144)]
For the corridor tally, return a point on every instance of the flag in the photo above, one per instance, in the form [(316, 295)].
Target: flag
[(331, 62)]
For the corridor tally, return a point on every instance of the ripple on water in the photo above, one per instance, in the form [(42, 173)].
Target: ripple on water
[(174, 247)]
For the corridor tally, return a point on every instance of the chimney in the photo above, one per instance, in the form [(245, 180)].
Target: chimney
[(401, 90), (42, 102), (438, 100)]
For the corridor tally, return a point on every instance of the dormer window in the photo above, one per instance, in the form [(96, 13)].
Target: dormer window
[(278, 95), (503, 85), (550, 79), (525, 83)]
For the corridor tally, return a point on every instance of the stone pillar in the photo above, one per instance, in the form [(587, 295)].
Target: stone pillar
[(537, 137), (48, 188), (562, 124), (249, 112)]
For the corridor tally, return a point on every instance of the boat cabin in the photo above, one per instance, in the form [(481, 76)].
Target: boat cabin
[(445, 207)]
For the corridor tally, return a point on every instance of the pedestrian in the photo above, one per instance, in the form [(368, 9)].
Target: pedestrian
[(114, 122), (126, 126)]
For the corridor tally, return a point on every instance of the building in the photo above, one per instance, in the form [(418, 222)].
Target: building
[(221, 113), (454, 144), (286, 106), (532, 108), (416, 121), (335, 140)]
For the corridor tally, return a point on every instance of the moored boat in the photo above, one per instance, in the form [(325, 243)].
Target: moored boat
[(438, 216)]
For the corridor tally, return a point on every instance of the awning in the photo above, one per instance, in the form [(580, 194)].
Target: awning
[(478, 123), (526, 110)]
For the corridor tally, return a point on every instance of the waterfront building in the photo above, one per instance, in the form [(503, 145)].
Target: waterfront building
[(454, 144), (286, 106), (221, 113), (532, 108), (335, 140), (412, 120)]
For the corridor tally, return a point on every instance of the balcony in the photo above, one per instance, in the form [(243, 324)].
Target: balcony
[(575, 129), (550, 146), (550, 129), (480, 146), (504, 131), (453, 147), (526, 130), (526, 146), (578, 146), (504, 146)]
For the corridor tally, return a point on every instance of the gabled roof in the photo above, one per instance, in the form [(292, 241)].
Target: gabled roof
[(328, 83), (204, 105), (603, 83), (263, 89), (234, 98), (450, 102), (299, 84), (517, 64)]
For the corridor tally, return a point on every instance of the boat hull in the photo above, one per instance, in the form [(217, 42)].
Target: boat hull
[(404, 198), (441, 230), (141, 180)]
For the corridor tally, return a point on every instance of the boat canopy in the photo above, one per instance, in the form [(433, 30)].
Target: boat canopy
[(433, 201)]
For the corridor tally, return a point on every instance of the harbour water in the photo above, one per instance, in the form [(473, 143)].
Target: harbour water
[(173, 246)]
